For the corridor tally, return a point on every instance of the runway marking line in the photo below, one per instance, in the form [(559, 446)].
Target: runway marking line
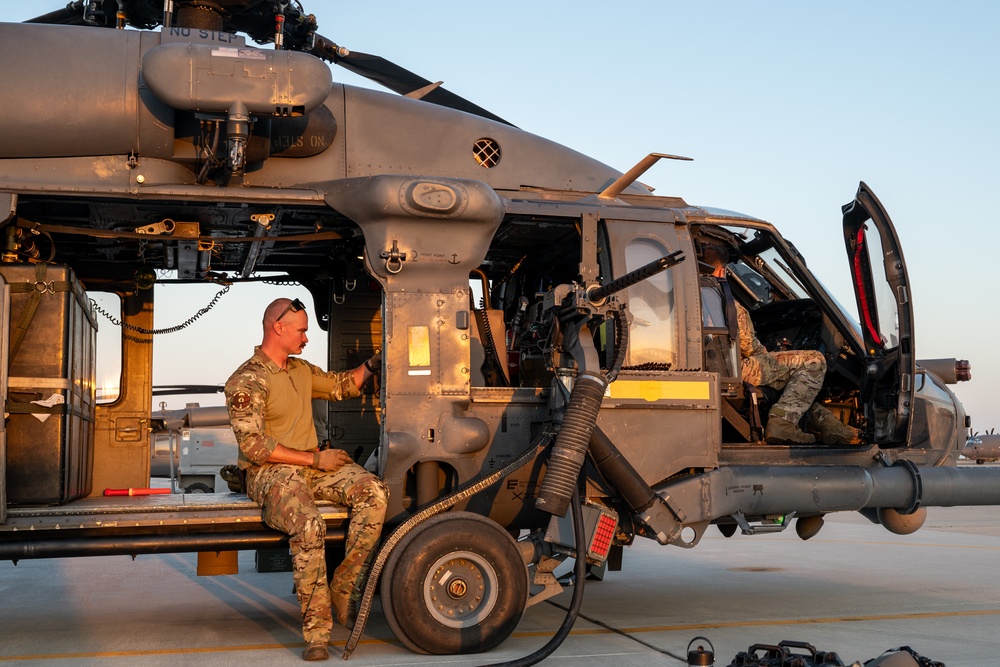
[(179, 651), (533, 633), (798, 621)]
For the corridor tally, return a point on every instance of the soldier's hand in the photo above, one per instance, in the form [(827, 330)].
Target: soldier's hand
[(332, 459), (374, 364)]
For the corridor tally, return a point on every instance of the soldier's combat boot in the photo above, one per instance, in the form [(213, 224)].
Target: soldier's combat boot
[(316, 651), (781, 430), (830, 430)]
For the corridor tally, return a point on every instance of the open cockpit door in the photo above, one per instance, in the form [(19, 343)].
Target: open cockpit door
[(883, 296)]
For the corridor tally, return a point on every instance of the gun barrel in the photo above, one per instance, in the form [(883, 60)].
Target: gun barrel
[(633, 277)]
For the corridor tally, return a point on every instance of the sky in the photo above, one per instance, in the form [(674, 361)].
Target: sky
[(784, 106)]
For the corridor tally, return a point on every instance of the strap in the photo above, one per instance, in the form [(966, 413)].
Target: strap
[(731, 319), (41, 287), (22, 408), (21, 328)]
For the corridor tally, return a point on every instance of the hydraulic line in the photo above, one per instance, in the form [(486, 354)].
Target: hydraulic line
[(620, 473)]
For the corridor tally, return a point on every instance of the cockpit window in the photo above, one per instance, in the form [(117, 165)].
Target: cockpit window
[(763, 271), (780, 270), (651, 302), (752, 281)]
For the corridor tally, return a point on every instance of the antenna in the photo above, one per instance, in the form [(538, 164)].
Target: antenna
[(630, 176)]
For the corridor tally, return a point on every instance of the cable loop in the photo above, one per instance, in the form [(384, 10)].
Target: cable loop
[(169, 330)]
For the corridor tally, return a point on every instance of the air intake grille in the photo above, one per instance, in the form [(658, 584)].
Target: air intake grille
[(486, 152)]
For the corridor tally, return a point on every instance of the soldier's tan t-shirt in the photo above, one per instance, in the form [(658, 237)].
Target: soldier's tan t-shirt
[(269, 405)]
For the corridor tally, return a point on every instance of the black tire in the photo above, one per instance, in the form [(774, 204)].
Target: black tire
[(198, 487), (455, 584)]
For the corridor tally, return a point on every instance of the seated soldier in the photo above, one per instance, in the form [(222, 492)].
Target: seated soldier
[(797, 373)]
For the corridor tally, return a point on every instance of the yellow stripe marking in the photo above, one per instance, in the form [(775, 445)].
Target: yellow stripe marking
[(657, 390)]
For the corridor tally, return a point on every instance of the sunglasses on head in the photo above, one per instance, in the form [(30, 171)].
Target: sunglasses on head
[(294, 305)]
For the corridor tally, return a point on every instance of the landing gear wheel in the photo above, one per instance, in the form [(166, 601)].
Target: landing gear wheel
[(455, 584)]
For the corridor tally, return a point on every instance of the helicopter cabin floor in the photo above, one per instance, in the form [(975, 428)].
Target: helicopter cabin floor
[(854, 589)]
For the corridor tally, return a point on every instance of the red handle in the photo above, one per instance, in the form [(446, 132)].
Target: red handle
[(134, 492)]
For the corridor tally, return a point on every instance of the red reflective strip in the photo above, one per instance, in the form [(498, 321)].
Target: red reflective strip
[(604, 534), (866, 312)]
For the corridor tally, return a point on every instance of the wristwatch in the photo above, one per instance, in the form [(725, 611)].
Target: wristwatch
[(315, 463)]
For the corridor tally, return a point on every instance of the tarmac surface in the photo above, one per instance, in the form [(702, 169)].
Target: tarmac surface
[(854, 589)]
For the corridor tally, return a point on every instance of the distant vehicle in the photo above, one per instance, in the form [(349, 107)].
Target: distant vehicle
[(584, 402)]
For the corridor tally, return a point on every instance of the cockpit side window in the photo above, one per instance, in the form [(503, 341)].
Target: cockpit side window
[(762, 273), (753, 283), (653, 334)]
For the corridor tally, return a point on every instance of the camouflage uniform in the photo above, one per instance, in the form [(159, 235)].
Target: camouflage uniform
[(270, 405), (799, 373)]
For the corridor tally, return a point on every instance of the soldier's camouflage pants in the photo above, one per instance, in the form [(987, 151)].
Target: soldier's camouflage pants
[(286, 494), (799, 373)]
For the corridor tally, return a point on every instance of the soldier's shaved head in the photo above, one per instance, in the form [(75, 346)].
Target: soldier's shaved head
[(285, 324), (274, 310)]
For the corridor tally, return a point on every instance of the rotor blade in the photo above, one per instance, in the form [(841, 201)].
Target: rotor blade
[(403, 81), (66, 16)]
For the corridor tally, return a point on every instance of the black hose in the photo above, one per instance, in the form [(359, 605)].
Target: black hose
[(580, 573), (572, 443)]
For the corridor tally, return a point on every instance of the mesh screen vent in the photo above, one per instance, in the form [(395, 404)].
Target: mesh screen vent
[(486, 152)]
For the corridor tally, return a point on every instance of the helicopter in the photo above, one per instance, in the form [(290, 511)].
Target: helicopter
[(582, 403)]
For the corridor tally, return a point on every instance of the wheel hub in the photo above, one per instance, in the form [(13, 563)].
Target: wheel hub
[(460, 589), (457, 588)]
